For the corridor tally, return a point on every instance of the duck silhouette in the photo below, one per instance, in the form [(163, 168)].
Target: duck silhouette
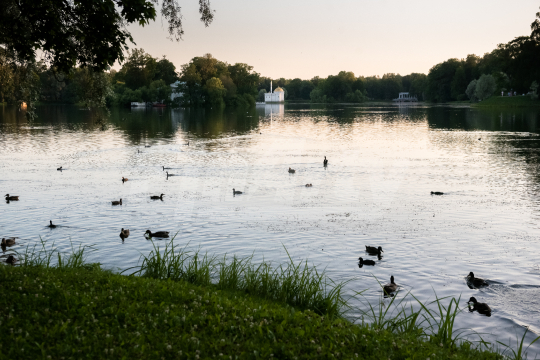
[(437, 193), (155, 197), (124, 179), (51, 225), (159, 234), (11, 260), (236, 192), (11, 198), (291, 171), (8, 242), (119, 202), (365, 262), (390, 287), (59, 169), (482, 308), (124, 234), (372, 250), (325, 162), (476, 282)]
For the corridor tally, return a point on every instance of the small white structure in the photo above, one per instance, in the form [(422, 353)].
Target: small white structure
[(139, 104), (278, 96), (175, 93), (405, 97)]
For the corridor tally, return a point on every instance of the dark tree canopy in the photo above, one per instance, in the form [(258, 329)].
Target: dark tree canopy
[(88, 33)]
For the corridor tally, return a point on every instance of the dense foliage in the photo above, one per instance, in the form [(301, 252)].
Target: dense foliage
[(89, 33)]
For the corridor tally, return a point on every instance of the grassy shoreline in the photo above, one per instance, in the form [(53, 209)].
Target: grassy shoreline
[(86, 312), (176, 308)]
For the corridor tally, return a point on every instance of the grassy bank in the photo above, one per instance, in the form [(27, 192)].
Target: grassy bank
[(508, 101), (172, 310)]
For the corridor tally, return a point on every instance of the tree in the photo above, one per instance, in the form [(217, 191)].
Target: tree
[(215, 90), (439, 80), (534, 90), (485, 87), (471, 90), (166, 71), (459, 83), (93, 87), (535, 28), (245, 79), (139, 70), (90, 33)]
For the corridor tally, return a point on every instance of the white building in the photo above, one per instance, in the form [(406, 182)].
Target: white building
[(278, 96), (175, 93), (404, 96)]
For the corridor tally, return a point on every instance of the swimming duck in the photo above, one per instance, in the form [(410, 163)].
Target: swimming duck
[(117, 202), (482, 308), (169, 174), (124, 179), (11, 259), (477, 282), (11, 197), (325, 162), (59, 169), (437, 193), (160, 234), (291, 171), (8, 242), (366, 262), (124, 233), (391, 287), (373, 250), (236, 192), (155, 197), (147, 146), (51, 225), (166, 168)]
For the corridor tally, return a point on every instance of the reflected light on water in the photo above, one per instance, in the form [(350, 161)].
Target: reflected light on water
[(384, 161)]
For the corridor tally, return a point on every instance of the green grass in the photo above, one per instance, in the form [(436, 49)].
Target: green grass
[(508, 101), (190, 305)]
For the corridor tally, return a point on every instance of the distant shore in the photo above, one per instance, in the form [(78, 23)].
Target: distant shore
[(508, 101)]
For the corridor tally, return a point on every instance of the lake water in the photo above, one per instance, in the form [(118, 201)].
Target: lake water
[(384, 161)]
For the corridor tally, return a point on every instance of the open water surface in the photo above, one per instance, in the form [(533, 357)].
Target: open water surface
[(384, 161)]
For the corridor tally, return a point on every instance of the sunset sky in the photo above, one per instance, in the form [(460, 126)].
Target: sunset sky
[(304, 39)]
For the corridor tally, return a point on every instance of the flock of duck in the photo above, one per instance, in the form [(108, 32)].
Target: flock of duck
[(390, 288)]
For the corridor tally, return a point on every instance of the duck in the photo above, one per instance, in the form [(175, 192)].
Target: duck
[(11, 259), (391, 287), (477, 282), (59, 169), (8, 198), (482, 308), (117, 202), (51, 225), (374, 250), (8, 242), (325, 162), (124, 179), (124, 233), (166, 168), (366, 262), (160, 234), (170, 174), (437, 193), (236, 192), (146, 146), (155, 197), (291, 171)]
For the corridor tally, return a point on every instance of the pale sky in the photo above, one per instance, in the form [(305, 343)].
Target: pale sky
[(290, 39)]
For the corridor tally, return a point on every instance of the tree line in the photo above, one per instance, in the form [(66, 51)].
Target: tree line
[(207, 81)]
